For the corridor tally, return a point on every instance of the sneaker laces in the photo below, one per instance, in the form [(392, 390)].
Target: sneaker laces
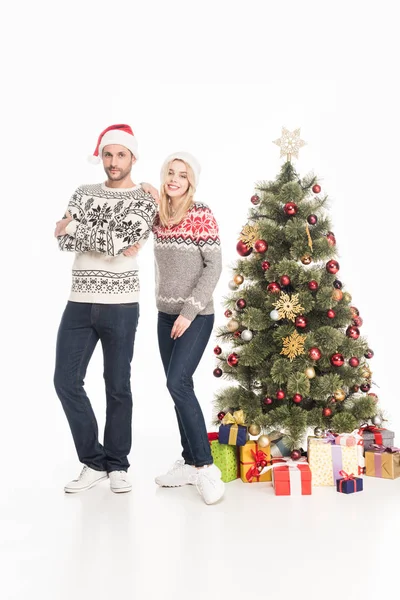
[(199, 477), (178, 465), (82, 473)]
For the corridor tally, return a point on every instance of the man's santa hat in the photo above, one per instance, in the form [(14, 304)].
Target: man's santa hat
[(115, 134)]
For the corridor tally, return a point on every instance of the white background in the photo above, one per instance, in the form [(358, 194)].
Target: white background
[(218, 79)]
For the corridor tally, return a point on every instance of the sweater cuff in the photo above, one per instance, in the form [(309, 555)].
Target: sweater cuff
[(189, 312), (71, 227)]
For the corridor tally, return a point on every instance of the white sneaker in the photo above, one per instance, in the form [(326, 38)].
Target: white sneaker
[(119, 482), (179, 474), (87, 479), (209, 483)]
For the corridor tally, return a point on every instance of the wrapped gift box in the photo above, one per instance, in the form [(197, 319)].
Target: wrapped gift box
[(376, 435), (327, 459), (291, 479), (225, 457), (383, 462), (278, 446), (232, 430), (352, 439), (348, 484), (252, 460)]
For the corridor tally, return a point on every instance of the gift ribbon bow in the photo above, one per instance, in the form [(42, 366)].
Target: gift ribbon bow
[(255, 469), (377, 431), (380, 449), (237, 418), (347, 477)]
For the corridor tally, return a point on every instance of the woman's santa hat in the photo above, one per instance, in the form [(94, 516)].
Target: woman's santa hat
[(189, 159), (115, 134)]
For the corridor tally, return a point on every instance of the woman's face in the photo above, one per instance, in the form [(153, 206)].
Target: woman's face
[(177, 182)]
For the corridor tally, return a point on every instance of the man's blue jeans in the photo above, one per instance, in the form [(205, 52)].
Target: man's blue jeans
[(180, 358), (81, 327)]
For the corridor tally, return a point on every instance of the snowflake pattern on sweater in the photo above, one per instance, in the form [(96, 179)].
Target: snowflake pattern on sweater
[(188, 263), (106, 221)]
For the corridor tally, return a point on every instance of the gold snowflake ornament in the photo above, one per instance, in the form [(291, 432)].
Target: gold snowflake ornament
[(250, 234), (288, 307), (293, 345), (290, 143)]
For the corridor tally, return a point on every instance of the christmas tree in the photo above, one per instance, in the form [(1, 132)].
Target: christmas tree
[(292, 344)]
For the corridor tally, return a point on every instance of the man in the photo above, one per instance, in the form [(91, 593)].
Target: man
[(102, 221)]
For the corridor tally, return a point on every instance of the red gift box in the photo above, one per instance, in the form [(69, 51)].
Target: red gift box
[(292, 478)]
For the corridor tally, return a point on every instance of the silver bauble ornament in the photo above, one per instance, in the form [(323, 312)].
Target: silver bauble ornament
[(376, 420), (246, 335), (274, 315), (319, 432), (233, 286), (257, 385)]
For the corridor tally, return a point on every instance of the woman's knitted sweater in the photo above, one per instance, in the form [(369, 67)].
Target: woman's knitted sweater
[(188, 263)]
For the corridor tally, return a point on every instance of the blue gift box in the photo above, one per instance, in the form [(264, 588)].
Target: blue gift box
[(346, 486), (235, 435)]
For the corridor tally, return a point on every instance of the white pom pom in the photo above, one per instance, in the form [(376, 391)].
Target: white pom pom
[(94, 160)]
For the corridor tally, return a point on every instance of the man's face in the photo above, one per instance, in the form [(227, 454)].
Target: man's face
[(117, 161)]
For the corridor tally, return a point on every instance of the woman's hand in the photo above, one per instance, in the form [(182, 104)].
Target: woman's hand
[(61, 225), (149, 189), (132, 250), (179, 327)]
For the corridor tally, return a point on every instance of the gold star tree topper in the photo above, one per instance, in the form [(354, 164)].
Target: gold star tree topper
[(290, 143)]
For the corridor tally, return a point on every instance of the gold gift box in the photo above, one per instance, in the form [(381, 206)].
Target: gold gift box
[(247, 461), (382, 464)]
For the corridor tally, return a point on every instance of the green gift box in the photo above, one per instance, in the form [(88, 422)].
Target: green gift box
[(225, 457)]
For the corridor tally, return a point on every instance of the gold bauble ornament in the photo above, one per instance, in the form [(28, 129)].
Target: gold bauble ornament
[(254, 429), (339, 395), (232, 325), (347, 297), (238, 279), (366, 373), (263, 441), (337, 295), (310, 372), (306, 259)]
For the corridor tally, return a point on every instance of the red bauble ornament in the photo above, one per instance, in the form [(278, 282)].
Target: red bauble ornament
[(330, 236), (228, 313), (290, 208), (267, 400), (237, 334), (297, 398), (354, 311), (255, 199), (354, 361), (332, 400), (355, 388), (217, 350), (265, 265), (373, 396), (312, 219), (313, 285), (353, 332), (221, 415), (242, 249), (326, 412), (260, 246), (232, 359), (357, 321), (365, 387), (337, 359), (330, 314), (314, 353), (285, 280), (332, 266), (280, 394), (301, 321), (316, 188), (274, 287), (241, 304), (217, 372), (295, 454), (369, 353)]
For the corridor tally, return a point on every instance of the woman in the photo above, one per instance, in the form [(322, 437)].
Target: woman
[(188, 266)]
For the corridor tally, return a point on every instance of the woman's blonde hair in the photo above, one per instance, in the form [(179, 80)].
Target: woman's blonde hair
[(165, 211)]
